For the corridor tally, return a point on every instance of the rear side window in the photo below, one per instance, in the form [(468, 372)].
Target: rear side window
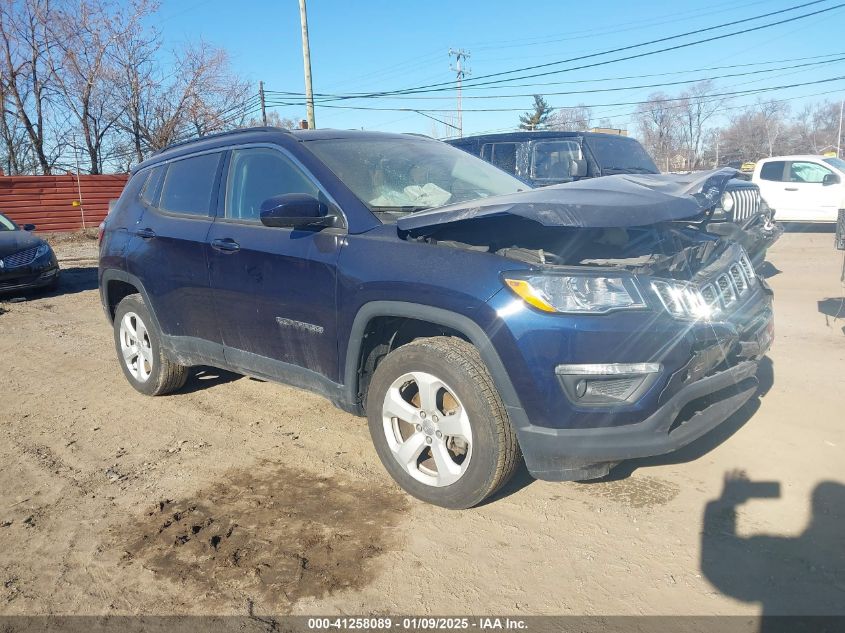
[(502, 155), (772, 170), (258, 174), (189, 184)]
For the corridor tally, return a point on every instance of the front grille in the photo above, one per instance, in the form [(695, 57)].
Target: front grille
[(746, 203), (711, 298), (21, 258)]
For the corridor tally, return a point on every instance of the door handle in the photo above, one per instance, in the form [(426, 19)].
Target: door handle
[(227, 245), (147, 234), (790, 188)]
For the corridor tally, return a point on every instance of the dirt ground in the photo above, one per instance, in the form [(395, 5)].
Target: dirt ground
[(236, 495)]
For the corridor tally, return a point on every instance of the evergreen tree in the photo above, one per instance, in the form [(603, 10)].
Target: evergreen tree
[(538, 119)]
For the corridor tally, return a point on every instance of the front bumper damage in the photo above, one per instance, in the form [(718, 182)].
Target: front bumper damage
[(718, 379), (575, 454), (756, 235)]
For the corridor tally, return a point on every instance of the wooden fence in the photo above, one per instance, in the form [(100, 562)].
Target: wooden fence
[(59, 203)]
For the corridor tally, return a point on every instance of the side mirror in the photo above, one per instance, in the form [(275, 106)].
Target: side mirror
[(295, 210), (28, 227), (578, 168), (830, 179)]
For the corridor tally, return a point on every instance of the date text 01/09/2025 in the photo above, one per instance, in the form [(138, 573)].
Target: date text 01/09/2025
[(416, 623)]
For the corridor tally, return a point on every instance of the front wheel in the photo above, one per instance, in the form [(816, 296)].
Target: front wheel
[(438, 423)]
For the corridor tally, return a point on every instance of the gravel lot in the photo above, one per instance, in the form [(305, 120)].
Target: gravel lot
[(238, 495)]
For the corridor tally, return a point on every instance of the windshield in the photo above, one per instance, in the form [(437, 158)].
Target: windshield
[(621, 155), (836, 162), (6, 224), (398, 176)]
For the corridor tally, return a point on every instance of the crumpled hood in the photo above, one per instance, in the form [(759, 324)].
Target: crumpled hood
[(611, 201), (14, 241)]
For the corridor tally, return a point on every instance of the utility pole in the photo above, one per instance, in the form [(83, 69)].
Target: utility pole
[(718, 140), (839, 138), (78, 183), (460, 71), (306, 59), (263, 107)]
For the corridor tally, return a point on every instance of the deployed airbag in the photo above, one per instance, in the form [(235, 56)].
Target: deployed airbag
[(623, 200)]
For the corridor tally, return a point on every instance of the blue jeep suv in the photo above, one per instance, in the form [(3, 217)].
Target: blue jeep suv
[(472, 319)]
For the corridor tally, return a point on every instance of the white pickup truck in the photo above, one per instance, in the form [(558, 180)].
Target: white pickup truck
[(802, 188)]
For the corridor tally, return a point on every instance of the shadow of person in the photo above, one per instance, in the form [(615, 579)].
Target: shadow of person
[(832, 307), (802, 575)]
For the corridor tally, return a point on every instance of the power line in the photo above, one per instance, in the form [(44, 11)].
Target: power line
[(599, 105), (610, 29), (618, 88), (727, 108), (439, 87)]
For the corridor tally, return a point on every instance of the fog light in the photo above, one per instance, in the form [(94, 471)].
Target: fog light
[(607, 384)]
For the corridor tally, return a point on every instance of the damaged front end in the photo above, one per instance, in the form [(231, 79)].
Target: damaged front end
[(595, 246), (651, 325)]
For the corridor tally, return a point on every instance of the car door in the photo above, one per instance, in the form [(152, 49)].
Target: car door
[(167, 250), (274, 288), (772, 183), (807, 198)]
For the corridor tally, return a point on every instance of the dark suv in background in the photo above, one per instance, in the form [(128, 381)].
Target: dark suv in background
[(545, 158), (471, 318)]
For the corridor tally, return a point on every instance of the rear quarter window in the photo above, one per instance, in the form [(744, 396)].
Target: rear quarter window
[(151, 185), (189, 184)]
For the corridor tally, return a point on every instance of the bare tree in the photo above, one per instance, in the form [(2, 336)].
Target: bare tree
[(772, 116), (695, 109), (816, 128), (85, 35), (660, 128), (204, 96), (25, 46), (571, 119), (273, 120), (135, 61)]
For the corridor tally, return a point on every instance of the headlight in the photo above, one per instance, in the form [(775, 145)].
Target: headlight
[(576, 293), (727, 202), (42, 250)]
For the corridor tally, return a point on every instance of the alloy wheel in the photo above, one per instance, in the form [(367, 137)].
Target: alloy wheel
[(136, 347), (427, 429)]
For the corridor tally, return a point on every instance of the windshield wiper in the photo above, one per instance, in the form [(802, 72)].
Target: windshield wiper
[(408, 209), (629, 170)]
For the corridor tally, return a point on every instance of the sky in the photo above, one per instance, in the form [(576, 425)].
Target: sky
[(366, 46)]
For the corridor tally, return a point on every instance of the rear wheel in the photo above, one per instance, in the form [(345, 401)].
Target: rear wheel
[(139, 351), (438, 423)]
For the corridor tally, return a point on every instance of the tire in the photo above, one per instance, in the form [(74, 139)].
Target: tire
[(145, 365), (463, 449)]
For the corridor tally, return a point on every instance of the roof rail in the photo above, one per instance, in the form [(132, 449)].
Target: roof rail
[(268, 128)]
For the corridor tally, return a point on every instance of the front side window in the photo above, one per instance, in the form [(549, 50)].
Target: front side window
[(772, 170), (393, 176), (257, 174), (806, 172), (550, 160), (189, 184)]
